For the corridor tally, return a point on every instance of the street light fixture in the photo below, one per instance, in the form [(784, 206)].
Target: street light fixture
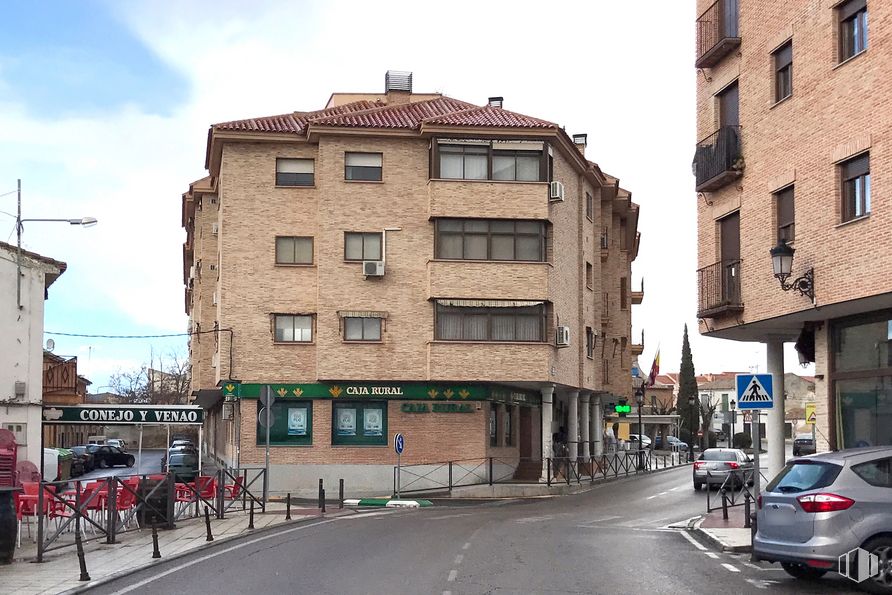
[(782, 263), (639, 399), (83, 222)]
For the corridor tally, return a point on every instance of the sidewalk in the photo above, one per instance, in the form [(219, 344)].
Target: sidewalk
[(729, 535), (61, 570)]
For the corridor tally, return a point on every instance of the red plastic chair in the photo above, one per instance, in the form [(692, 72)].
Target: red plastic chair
[(234, 490)]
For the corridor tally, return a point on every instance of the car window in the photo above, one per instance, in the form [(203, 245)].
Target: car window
[(876, 473), (718, 455), (184, 460), (802, 476)]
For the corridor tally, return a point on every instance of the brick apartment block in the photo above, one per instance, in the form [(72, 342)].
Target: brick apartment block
[(795, 121), (365, 355)]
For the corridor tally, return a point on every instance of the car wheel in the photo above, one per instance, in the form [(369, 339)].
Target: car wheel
[(881, 547), (697, 486), (801, 571), (103, 463), (130, 461)]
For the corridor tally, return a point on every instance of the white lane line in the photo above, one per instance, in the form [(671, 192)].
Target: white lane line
[(452, 574), (696, 543), (712, 555), (657, 495), (458, 559), (466, 545), (449, 516), (751, 565), (730, 567), (363, 515), (200, 559)]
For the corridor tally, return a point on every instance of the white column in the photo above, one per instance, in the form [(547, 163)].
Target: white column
[(547, 415), (573, 422), (774, 430), (598, 425), (584, 423)]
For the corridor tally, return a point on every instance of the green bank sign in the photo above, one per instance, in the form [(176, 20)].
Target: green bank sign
[(346, 390), (124, 414)]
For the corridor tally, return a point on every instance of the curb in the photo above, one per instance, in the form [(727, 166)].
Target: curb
[(733, 549), (387, 502), (217, 541)]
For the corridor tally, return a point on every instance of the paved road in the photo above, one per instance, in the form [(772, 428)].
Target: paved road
[(150, 463), (613, 539)]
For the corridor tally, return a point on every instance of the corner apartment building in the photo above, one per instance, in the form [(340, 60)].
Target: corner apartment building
[(405, 262), (794, 115)]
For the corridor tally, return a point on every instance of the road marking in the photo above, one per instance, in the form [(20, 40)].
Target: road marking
[(466, 545), (452, 574), (712, 555), (751, 565), (449, 516), (363, 515), (657, 495), (447, 592), (696, 543), (458, 559), (730, 567), (179, 567), (604, 518)]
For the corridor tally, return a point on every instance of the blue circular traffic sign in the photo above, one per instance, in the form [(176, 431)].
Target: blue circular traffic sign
[(399, 443)]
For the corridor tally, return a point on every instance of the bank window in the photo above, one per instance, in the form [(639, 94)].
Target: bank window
[(509, 323), (20, 431), (292, 424), (362, 329), (589, 342), (362, 245), (359, 423), (493, 425), (509, 427), (852, 28), (589, 206), (363, 167), (291, 328), (783, 71), (294, 250), (295, 172), (856, 187), (589, 275), (486, 239), (786, 219)]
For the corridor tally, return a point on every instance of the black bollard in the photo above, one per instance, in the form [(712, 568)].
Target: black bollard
[(251, 515), (322, 506), (747, 522), (321, 491), (156, 553), (207, 523), (724, 504), (341, 493), (288, 507), (80, 549)]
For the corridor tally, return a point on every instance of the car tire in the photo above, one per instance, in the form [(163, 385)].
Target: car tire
[(803, 572), (697, 486), (882, 583), (103, 463), (130, 461)]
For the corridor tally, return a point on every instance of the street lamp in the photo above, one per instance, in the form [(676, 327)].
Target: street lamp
[(733, 420), (782, 263), (638, 383), (83, 222)]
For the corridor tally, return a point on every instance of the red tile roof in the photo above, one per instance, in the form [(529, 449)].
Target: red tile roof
[(405, 115), (444, 111)]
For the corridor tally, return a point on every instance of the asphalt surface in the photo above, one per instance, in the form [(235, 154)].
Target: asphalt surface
[(613, 539), (150, 463)]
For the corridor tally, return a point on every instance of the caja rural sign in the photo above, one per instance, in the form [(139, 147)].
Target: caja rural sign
[(124, 414)]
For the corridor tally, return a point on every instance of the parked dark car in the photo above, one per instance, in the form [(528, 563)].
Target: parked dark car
[(181, 449), (83, 453), (112, 456), (184, 465), (672, 443), (804, 444)]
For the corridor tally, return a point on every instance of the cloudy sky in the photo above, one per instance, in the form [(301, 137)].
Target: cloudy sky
[(104, 109)]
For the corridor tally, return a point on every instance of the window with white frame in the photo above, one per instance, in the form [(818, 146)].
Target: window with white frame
[(295, 172), (294, 250), (364, 167), (293, 328)]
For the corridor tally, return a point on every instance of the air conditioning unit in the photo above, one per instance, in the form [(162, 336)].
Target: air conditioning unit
[(373, 268), (556, 192), (20, 390), (562, 336), (215, 228)]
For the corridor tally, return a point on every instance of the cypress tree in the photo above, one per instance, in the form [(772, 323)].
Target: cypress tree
[(687, 387)]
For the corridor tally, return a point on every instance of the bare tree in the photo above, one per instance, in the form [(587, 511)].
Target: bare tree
[(707, 404), (164, 381)]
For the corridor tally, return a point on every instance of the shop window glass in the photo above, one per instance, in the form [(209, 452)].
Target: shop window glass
[(864, 410), (361, 424), (863, 346), (292, 424)]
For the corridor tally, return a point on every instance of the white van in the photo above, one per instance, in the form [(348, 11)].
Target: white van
[(96, 439)]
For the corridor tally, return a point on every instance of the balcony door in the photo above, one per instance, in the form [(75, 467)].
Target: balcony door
[(729, 106), (729, 18), (729, 232)]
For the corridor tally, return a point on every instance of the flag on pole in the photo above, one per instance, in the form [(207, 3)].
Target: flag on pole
[(654, 369)]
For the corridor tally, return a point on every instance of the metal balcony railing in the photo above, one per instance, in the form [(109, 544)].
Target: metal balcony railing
[(717, 33), (718, 287), (718, 159)]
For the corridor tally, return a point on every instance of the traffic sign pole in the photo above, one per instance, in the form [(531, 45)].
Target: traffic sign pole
[(757, 442), (399, 443)]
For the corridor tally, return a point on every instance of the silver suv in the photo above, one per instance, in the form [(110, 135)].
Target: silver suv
[(821, 507)]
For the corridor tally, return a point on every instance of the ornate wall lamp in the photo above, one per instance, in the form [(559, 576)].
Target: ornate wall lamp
[(782, 262)]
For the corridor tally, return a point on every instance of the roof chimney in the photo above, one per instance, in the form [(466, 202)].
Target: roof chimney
[(398, 86), (496, 102), (580, 140)]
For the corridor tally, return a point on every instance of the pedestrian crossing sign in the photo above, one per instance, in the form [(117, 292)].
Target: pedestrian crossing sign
[(754, 391)]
